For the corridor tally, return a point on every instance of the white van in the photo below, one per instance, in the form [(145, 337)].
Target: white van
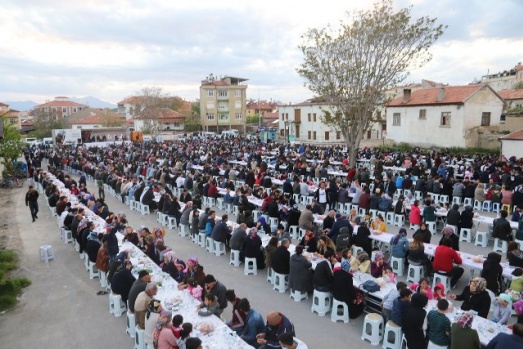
[(229, 134), (31, 141)]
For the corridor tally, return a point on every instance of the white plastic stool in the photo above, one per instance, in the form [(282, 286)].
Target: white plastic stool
[(465, 234), (116, 305), (487, 206), (339, 311), (103, 279), (76, 245), (256, 214), (321, 302), (418, 195), (131, 324), (211, 202), (281, 282), (171, 222), (251, 267), (235, 258), (415, 273), (390, 217), (397, 265), (372, 328), (144, 209), (299, 296), (46, 253), (467, 202), (431, 226), (86, 261), (414, 227), (362, 212), (270, 275), (273, 223), (302, 233), (481, 239), (392, 336), (184, 230), (442, 278), (500, 246), (477, 205), (456, 200), (399, 220), (519, 242), (219, 204), (209, 244), (355, 249), (228, 207), (373, 213), (219, 248), (294, 232), (93, 272), (235, 210), (201, 239), (159, 217), (67, 236), (435, 198), (444, 199), (138, 338)]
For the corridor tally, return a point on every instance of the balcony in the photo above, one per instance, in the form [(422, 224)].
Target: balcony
[(223, 108)]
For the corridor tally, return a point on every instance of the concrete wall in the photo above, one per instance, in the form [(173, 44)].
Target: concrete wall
[(513, 122), (512, 148)]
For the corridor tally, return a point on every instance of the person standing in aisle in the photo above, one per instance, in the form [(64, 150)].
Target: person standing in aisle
[(31, 200)]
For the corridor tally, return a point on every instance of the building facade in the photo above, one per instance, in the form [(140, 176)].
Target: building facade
[(58, 108), (223, 104), (443, 117), (504, 80)]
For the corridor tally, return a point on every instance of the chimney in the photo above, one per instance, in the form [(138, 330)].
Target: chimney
[(406, 95), (441, 94)]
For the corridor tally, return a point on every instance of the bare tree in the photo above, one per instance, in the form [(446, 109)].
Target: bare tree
[(350, 68), (150, 101)]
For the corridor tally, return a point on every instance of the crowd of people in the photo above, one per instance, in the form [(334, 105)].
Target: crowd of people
[(243, 169)]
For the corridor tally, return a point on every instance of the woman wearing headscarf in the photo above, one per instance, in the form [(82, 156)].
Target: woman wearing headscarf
[(462, 336), (448, 232), (400, 244), (252, 248), (425, 233), (360, 262), (493, 272), (475, 297), (193, 271), (415, 316), (164, 322), (173, 266), (377, 266), (342, 287), (154, 308)]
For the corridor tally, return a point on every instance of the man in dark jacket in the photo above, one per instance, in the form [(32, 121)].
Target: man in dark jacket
[(502, 228), (221, 231), (281, 258), (323, 277), (277, 324), (453, 216), (216, 288)]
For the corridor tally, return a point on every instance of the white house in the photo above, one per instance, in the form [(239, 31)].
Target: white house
[(302, 123), (512, 145), (444, 116), (167, 120)]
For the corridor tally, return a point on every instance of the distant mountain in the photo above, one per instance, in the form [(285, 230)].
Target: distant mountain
[(93, 102), (21, 105)]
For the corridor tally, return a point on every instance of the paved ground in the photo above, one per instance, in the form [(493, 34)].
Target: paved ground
[(61, 309)]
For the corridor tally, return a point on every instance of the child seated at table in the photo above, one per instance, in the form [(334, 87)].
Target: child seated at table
[(210, 306), (422, 287), (388, 300), (439, 292), (502, 309), (387, 277), (194, 289), (360, 262)]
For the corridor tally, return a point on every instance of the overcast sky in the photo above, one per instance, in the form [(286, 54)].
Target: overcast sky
[(111, 49)]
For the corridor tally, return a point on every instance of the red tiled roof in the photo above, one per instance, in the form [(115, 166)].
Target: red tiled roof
[(260, 106), (453, 95), (511, 94), (168, 115), (28, 123), (271, 116), (98, 116), (131, 100), (514, 136), (58, 104)]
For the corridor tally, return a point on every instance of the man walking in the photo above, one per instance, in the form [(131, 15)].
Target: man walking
[(31, 200)]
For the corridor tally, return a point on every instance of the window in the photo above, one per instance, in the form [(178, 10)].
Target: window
[(309, 134), (74, 110), (396, 119), (502, 119), (314, 117), (238, 116), (423, 114), (237, 93), (485, 119), (210, 116), (327, 135), (64, 110), (282, 132), (223, 93), (210, 93), (338, 135), (445, 119), (224, 117), (237, 105), (309, 117), (314, 135)]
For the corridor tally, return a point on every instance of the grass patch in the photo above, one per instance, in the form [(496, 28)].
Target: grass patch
[(10, 287)]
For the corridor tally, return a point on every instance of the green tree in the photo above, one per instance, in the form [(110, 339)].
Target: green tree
[(44, 125), (350, 68), (255, 119), (193, 121), (518, 86), (152, 100), (11, 147)]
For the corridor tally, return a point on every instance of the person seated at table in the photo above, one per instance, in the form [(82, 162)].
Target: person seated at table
[(237, 321), (343, 240), (324, 244), (474, 297), (154, 309), (422, 287), (329, 220), (375, 199), (448, 233), (142, 302), (415, 214), (310, 242), (429, 212), (276, 325), (173, 266), (439, 292), (479, 193), (517, 280), (462, 336), (193, 271), (322, 278), (252, 248), (388, 300), (444, 258), (466, 218), (281, 258), (425, 233), (502, 229), (502, 309), (399, 208), (221, 231), (400, 306), (210, 306), (360, 262), (385, 203), (362, 238), (492, 272), (378, 226), (399, 244), (378, 265), (453, 216), (341, 222), (123, 280), (253, 322), (438, 326), (415, 320), (300, 274)]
